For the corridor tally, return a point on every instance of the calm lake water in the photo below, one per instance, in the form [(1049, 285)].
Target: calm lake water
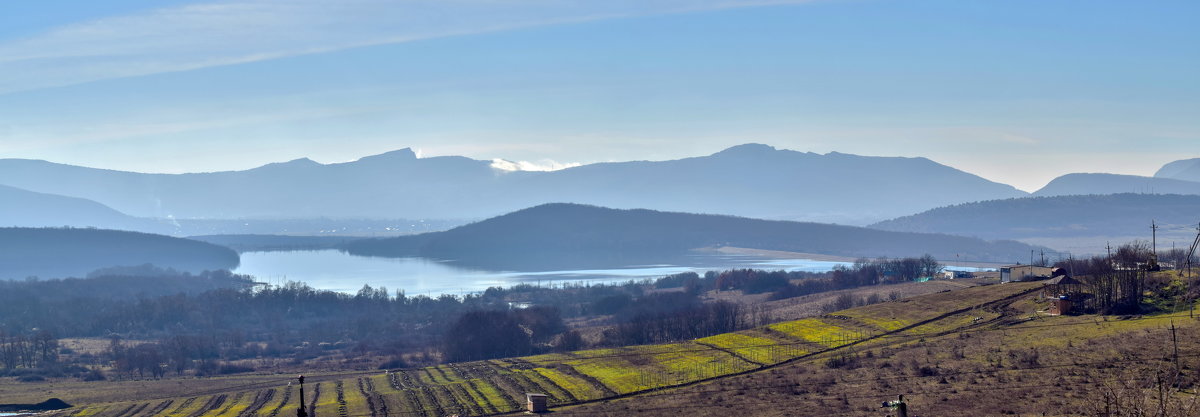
[(338, 271)]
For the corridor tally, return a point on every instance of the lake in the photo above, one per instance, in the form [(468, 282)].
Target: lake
[(337, 271)]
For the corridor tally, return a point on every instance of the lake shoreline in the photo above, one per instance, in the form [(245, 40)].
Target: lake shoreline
[(731, 250)]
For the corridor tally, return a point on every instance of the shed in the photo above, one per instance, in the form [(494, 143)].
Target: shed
[(536, 403), (1059, 306)]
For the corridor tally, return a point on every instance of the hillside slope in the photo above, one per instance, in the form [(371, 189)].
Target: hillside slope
[(55, 253), (555, 236)]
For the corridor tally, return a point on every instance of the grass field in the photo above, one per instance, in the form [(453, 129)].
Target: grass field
[(499, 386)]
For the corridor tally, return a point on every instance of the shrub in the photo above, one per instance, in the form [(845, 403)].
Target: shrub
[(31, 378)]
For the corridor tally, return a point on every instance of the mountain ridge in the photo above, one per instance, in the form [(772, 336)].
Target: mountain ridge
[(752, 180), (1104, 183)]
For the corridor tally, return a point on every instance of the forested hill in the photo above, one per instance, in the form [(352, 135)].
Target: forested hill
[(1063, 216), (573, 236), (63, 252)]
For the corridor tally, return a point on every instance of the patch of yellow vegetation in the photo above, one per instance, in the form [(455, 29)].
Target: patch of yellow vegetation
[(576, 386), (886, 321), (235, 406), (356, 402), (275, 401), (816, 331), (327, 403), (492, 394), (758, 349), (615, 373)]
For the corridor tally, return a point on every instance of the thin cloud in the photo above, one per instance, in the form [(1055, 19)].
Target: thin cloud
[(233, 32)]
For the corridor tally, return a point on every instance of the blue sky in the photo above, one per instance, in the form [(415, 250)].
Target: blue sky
[(1016, 91)]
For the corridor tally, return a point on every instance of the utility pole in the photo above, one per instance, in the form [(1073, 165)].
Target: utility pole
[(300, 411), (1154, 247), (1154, 238), (1108, 245)]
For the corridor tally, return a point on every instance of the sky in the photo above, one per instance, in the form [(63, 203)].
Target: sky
[(1016, 91)]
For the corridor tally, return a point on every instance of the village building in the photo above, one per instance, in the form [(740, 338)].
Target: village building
[(1025, 273)]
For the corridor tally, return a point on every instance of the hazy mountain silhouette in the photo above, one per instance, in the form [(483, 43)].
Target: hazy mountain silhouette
[(63, 252), (1084, 184), (760, 181), (1115, 215), (747, 180), (1185, 169), (21, 208), (572, 236)]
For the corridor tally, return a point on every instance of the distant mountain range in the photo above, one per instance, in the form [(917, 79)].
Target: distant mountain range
[(68, 252), (1086, 184), (572, 236), (1081, 224), (1187, 169), (1061, 216), (748, 180), (373, 195), (21, 208)]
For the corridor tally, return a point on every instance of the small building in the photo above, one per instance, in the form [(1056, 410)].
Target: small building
[(1059, 306), (536, 403), (1025, 273), (950, 274), (1066, 295)]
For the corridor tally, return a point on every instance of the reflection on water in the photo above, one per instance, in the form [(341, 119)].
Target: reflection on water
[(338, 271)]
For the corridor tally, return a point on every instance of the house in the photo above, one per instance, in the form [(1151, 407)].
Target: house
[(1025, 273)]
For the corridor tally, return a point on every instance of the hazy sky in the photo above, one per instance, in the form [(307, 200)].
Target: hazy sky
[(1016, 91)]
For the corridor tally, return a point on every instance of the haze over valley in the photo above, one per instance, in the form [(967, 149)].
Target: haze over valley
[(386, 208)]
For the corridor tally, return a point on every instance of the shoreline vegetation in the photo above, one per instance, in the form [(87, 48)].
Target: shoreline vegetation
[(778, 254)]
